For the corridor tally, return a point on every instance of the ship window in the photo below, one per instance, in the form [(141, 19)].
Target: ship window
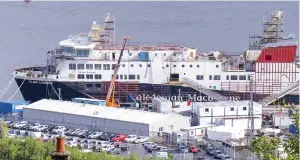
[(89, 76), (125, 76), (174, 54), (217, 77), (97, 66), (182, 66), (82, 53), (210, 77), (227, 77), (106, 66), (113, 66), (155, 54), (98, 85), (268, 57), (199, 77), (131, 65), (242, 77), (89, 85), (117, 77), (121, 76), (80, 76), (98, 76), (244, 108), (174, 65), (130, 54), (138, 77), (191, 66), (231, 64), (231, 109), (131, 77), (165, 54), (72, 66), (89, 66), (123, 65), (233, 77), (80, 66), (167, 65), (206, 110), (140, 65), (198, 65)]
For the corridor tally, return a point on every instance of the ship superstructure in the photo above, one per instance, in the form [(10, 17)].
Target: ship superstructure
[(82, 66)]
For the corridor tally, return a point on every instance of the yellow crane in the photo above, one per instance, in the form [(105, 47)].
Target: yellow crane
[(110, 98)]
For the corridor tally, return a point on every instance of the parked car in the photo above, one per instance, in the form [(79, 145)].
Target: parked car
[(148, 144), (130, 138), (59, 129), (200, 158), (21, 124), (119, 138), (210, 151), (68, 132), (226, 157), (124, 147), (33, 126), (141, 139), (75, 132), (95, 135), (114, 151), (41, 128), (218, 154), (106, 148), (72, 143), (193, 149), (11, 125)]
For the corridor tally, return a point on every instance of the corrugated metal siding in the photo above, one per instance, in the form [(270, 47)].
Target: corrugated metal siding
[(283, 54)]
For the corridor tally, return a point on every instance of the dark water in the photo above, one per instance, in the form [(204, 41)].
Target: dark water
[(29, 30)]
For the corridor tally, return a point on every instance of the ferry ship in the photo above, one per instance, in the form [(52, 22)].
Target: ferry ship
[(82, 66)]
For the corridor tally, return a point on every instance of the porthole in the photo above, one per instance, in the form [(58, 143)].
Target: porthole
[(217, 66), (123, 65), (140, 65), (231, 64), (149, 65), (167, 65), (198, 65), (174, 65), (131, 65), (191, 66), (183, 66)]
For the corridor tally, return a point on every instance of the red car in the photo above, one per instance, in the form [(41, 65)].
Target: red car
[(193, 149), (119, 138)]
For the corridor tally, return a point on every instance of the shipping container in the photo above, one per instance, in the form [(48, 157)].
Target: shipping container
[(221, 133), (144, 56), (161, 105), (12, 107)]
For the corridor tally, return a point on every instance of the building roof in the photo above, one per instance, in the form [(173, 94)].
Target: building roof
[(225, 104), (121, 114)]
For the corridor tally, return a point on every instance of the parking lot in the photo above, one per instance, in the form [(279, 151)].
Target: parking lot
[(89, 141)]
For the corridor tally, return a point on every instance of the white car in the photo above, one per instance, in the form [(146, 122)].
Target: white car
[(141, 139), (106, 148), (59, 129), (34, 125), (12, 133), (95, 135), (21, 124), (72, 143), (130, 138), (41, 128)]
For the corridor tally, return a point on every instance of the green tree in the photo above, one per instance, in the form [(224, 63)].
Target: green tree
[(265, 147), (292, 145)]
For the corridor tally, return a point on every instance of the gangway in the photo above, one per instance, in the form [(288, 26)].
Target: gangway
[(197, 86), (273, 97)]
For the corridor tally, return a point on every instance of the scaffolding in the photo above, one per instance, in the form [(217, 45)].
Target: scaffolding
[(272, 32)]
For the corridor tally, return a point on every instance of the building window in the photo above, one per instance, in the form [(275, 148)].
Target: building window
[(244, 108), (80, 66), (113, 66), (131, 65), (106, 66), (89, 66), (198, 65), (268, 57), (121, 76), (210, 77), (217, 77), (206, 109), (80, 76), (125, 76), (227, 77), (89, 76), (131, 77), (72, 66), (138, 77), (242, 77), (199, 77), (231, 109), (97, 66), (98, 76), (233, 77)]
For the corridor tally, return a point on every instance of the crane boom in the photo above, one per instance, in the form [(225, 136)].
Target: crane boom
[(110, 99)]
